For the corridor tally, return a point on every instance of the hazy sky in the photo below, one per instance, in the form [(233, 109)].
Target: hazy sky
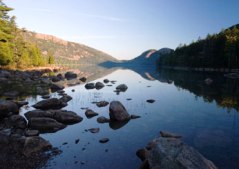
[(126, 28)]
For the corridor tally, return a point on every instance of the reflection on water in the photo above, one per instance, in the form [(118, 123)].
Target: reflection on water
[(184, 104)]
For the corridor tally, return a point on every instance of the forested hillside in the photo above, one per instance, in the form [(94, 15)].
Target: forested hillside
[(15, 51), (215, 51), (66, 52)]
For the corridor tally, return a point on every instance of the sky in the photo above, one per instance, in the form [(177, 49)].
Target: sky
[(126, 28)]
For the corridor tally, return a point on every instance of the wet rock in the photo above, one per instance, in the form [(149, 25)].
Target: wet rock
[(45, 124), (106, 81), (52, 103), (65, 143), (169, 135), (102, 103), (172, 153), (90, 113), (56, 87), (121, 88), (73, 90), (103, 119), (18, 121), (34, 145), (142, 154), (65, 98), (104, 140), (134, 116), (118, 112), (99, 85), (70, 75), (90, 86), (94, 130), (6, 107), (31, 133), (129, 99), (115, 125), (150, 101), (83, 79)]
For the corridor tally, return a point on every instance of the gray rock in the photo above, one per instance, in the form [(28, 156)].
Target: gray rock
[(121, 88), (172, 153), (99, 85), (90, 113), (90, 86), (45, 124), (118, 112), (52, 103), (103, 119), (34, 145)]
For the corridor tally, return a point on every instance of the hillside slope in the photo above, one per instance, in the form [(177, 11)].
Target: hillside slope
[(66, 52)]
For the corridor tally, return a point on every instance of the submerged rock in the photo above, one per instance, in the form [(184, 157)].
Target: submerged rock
[(118, 112), (169, 135), (94, 130), (104, 140), (52, 103)]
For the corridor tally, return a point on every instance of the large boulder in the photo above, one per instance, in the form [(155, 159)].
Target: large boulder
[(70, 75), (62, 116), (18, 121), (34, 145), (118, 112), (172, 153), (7, 107), (45, 124), (52, 103)]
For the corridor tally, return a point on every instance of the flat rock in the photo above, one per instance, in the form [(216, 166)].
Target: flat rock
[(169, 135)]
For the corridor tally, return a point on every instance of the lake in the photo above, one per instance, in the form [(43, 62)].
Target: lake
[(206, 115)]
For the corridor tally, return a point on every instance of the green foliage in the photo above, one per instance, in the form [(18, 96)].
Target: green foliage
[(14, 50), (50, 58), (215, 51)]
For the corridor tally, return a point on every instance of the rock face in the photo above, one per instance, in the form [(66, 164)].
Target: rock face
[(172, 153), (118, 112), (52, 103)]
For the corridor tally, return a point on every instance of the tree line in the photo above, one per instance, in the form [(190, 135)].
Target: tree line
[(215, 51), (15, 51)]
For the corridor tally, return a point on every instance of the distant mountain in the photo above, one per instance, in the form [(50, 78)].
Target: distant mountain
[(66, 52)]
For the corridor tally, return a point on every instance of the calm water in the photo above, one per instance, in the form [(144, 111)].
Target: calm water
[(205, 115)]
